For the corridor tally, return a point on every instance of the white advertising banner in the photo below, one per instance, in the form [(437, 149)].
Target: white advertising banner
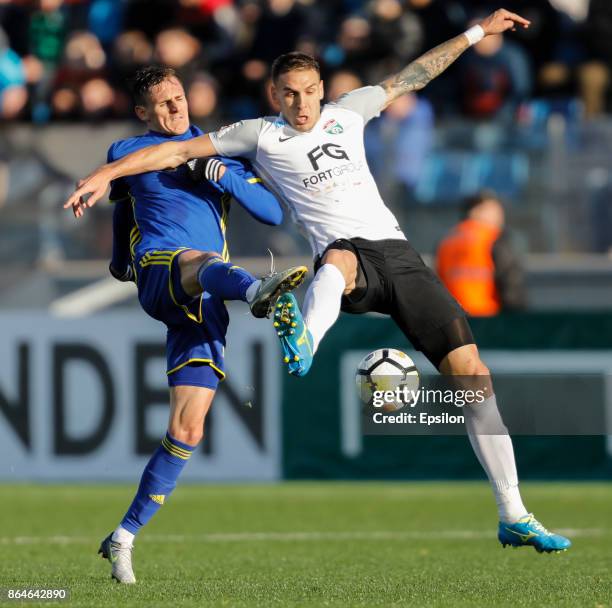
[(87, 399)]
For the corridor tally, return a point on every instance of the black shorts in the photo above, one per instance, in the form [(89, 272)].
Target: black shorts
[(393, 279)]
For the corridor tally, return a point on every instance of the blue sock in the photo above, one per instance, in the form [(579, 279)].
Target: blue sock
[(157, 482), (224, 280)]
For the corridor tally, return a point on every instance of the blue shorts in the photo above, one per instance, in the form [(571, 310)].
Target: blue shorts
[(195, 342)]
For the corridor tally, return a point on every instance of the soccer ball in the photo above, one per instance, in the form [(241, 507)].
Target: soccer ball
[(387, 369)]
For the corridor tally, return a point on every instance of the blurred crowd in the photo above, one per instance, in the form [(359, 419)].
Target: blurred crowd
[(69, 59)]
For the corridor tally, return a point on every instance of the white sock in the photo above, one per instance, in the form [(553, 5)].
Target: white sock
[(495, 454), (322, 301), (252, 290), (123, 536)]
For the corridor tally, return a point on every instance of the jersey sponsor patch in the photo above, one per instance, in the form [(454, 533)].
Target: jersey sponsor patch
[(227, 128), (333, 127)]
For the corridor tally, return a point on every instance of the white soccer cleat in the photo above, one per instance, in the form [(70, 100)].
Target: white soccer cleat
[(120, 557)]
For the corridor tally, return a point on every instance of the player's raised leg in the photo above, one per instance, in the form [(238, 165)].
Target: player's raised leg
[(493, 448), (295, 339), (335, 278), (188, 408), (300, 336), (205, 271)]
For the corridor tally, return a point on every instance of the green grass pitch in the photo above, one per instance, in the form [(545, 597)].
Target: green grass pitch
[(311, 544)]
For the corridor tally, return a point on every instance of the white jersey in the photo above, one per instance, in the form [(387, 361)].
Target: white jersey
[(321, 175)]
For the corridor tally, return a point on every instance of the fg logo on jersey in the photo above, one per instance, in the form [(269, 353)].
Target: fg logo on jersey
[(332, 150)]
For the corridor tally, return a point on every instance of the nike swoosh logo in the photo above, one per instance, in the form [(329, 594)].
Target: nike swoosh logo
[(282, 139), (112, 558), (523, 537), (304, 338)]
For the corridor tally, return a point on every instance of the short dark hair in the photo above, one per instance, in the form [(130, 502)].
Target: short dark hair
[(146, 78), (294, 61), (471, 202)]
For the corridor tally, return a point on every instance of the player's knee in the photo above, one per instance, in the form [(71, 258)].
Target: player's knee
[(470, 366), (465, 361), (191, 434), (346, 263), (190, 262)]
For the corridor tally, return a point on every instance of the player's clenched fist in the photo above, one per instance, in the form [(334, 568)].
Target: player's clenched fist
[(206, 168)]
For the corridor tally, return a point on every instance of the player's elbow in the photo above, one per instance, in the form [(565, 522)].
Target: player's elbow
[(269, 211), (276, 216)]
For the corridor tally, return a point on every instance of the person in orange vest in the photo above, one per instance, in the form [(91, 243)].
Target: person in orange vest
[(477, 263)]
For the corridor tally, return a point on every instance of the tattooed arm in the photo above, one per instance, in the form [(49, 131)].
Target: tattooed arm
[(426, 67)]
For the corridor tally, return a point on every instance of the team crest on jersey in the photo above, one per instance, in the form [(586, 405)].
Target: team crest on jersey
[(227, 128), (333, 127)]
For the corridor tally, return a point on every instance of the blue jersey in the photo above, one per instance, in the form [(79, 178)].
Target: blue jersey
[(157, 216), (171, 211)]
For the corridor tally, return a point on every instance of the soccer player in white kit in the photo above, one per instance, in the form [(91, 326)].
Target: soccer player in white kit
[(313, 158)]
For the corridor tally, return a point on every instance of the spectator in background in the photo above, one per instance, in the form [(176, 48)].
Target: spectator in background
[(105, 20), (97, 100), (13, 93), (553, 46), (477, 262), (397, 37), (214, 22), (81, 88), (130, 51), (494, 78), (352, 49), (202, 100), (15, 21), (277, 30), (179, 50), (595, 75), (341, 82), (440, 20), (397, 147), (269, 29), (47, 33)]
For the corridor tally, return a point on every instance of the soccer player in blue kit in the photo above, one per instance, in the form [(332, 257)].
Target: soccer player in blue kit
[(169, 237), (315, 158)]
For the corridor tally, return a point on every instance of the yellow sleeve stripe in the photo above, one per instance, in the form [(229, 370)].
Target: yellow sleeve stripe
[(255, 180)]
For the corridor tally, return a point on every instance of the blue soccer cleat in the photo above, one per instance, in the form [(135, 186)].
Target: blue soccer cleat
[(528, 531), (293, 334)]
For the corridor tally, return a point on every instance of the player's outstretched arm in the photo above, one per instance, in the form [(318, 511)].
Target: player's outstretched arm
[(236, 177), (249, 191), (153, 158), (425, 68)]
